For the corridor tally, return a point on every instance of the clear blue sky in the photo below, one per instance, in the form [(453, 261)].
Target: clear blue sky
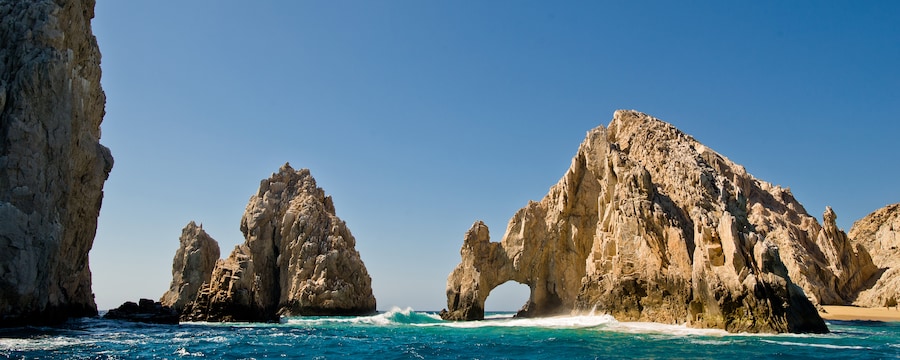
[(420, 117)]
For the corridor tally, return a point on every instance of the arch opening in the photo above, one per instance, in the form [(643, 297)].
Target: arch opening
[(507, 297)]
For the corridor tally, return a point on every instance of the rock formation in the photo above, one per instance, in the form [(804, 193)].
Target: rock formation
[(650, 225), (879, 232), (192, 266), (145, 311), (299, 258), (52, 166)]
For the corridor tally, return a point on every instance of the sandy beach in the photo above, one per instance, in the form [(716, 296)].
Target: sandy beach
[(860, 313)]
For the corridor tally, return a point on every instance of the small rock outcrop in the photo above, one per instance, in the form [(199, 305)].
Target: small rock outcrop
[(192, 266), (879, 232), (299, 258), (145, 311), (52, 166), (650, 225)]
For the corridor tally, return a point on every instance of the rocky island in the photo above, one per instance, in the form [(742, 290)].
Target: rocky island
[(298, 258), (52, 166), (650, 225)]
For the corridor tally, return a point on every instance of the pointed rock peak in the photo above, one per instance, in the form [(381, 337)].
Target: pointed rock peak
[(635, 120), (478, 233), (192, 226), (829, 217), (286, 168), (192, 266)]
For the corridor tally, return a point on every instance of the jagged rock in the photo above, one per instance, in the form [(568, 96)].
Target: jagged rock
[(650, 225), (879, 232), (192, 266), (851, 264), (146, 311), (299, 258), (52, 166)]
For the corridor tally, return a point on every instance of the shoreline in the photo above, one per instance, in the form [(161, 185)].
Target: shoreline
[(855, 313)]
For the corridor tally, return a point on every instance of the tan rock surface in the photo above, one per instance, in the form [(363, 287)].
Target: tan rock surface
[(52, 166), (879, 233), (299, 258), (192, 266), (650, 225)]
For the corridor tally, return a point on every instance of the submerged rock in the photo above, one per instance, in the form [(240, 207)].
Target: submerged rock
[(299, 258), (650, 225), (52, 166), (145, 311), (192, 266), (879, 232)]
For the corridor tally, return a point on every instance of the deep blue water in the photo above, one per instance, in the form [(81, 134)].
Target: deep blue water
[(405, 334)]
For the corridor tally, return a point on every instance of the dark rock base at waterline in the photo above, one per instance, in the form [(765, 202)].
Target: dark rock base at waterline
[(146, 311)]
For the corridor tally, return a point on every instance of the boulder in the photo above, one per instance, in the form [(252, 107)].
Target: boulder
[(650, 225), (192, 266), (52, 166), (879, 232), (298, 258)]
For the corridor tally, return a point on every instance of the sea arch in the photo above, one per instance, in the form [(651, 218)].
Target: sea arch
[(508, 296)]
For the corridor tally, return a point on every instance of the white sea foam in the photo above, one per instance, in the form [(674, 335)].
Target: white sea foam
[(184, 352), (826, 346), (499, 316), (668, 329), (42, 343), (409, 317), (395, 316), (557, 322)]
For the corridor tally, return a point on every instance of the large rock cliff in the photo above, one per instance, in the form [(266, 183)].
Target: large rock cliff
[(52, 166), (879, 232), (192, 266), (650, 225), (299, 258)]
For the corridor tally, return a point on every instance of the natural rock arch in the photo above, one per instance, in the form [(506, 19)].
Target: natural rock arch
[(506, 297), (467, 290)]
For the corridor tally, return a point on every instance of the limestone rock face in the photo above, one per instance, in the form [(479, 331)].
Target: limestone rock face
[(879, 232), (650, 225), (299, 258), (192, 266), (52, 166)]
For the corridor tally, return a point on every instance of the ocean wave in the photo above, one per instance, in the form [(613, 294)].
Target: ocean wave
[(826, 346), (395, 316)]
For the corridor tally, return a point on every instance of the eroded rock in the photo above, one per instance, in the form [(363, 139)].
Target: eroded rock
[(192, 266), (299, 258), (879, 232), (650, 225), (52, 166), (145, 311)]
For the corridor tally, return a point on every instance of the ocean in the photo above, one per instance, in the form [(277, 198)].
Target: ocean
[(407, 334)]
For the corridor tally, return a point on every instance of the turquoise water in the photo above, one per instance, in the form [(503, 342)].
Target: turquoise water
[(406, 334)]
